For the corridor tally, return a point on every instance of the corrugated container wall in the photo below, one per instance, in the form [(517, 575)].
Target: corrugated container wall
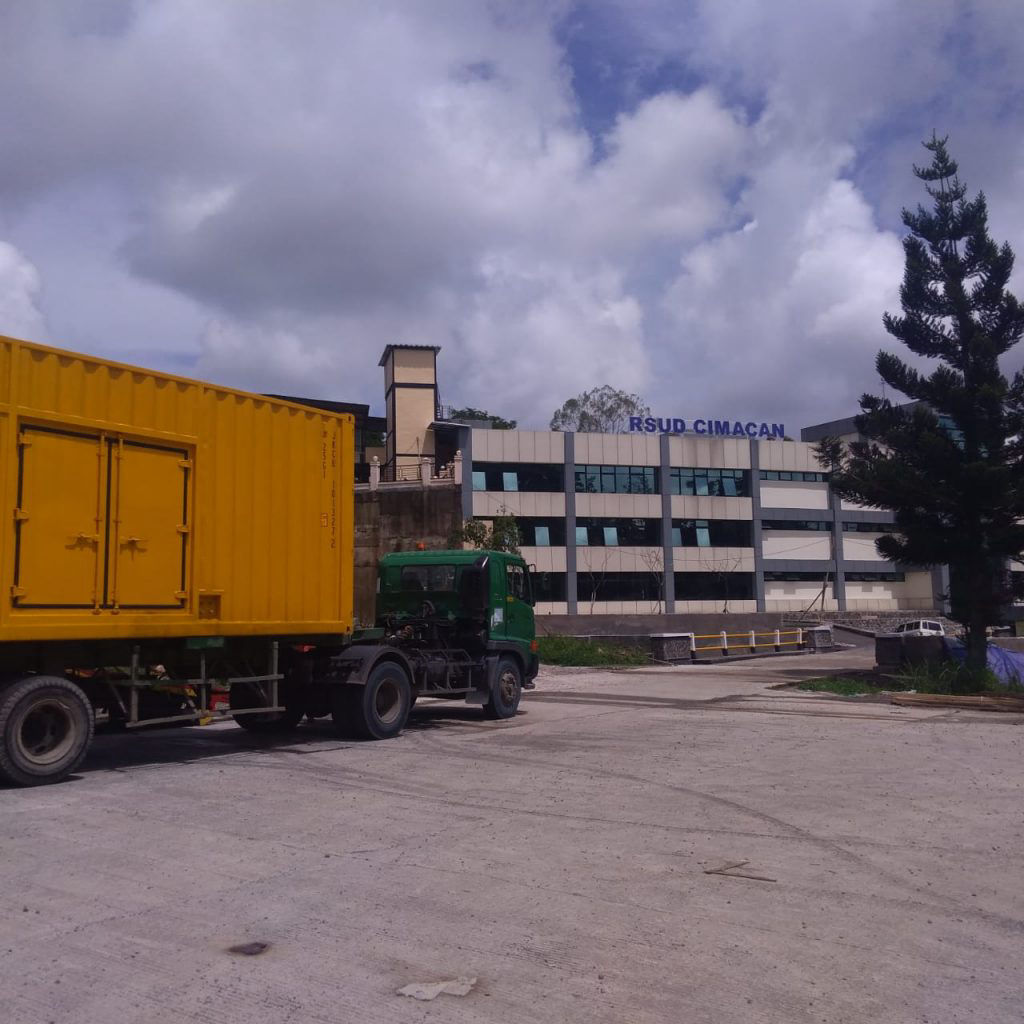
[(140, 504)]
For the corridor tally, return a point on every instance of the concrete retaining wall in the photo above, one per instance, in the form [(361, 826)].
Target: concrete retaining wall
[(397, 517)]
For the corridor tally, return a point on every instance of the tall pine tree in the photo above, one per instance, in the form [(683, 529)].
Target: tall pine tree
[(949, 464)]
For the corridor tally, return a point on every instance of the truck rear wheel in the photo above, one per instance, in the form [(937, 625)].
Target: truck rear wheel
[(507, 690), (46, 726), (245, 695), (377, 710)]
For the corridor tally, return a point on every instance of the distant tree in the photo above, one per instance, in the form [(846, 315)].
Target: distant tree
[(603, 410), (950, 464), (499, 533), (469, 413)]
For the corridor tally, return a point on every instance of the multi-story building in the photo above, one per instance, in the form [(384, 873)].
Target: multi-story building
[(670, 522)]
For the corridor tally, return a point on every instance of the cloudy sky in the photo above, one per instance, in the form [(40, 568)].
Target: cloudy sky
[(697, 200)]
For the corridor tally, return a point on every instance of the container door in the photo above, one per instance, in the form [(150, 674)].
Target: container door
[(147, 559), (59, 522)]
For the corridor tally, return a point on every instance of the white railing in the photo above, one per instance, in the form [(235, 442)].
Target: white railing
[(423, 472)]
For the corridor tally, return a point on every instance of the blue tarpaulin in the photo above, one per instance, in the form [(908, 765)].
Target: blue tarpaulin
[(1007, 665)]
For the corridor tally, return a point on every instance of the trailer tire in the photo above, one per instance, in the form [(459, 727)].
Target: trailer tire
[(506, 692), (46, 726), (377, 710), (273, 723)]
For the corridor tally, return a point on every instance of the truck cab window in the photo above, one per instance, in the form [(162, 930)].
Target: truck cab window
[(516, 582)]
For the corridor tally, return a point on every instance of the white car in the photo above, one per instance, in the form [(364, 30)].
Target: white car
[(920, 627)]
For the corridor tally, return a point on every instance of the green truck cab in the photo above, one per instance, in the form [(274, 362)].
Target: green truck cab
[(453, 624)]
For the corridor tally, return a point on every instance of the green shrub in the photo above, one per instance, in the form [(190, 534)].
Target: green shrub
[(948, 677), (572, 650)]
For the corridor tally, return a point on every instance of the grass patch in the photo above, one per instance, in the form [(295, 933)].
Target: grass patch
[(845, 686), (950, 677), (571, 650), (944, 677)]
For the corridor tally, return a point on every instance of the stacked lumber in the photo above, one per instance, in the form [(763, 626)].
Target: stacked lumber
[(970, 702)]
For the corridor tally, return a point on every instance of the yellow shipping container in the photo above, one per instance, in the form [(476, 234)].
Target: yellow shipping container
[(147, 505)]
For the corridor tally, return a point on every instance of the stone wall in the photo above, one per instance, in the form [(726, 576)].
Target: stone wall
[(399, 517), (622, 625)]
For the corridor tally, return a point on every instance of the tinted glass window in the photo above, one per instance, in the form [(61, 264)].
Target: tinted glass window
[(548, 586), (428, 577), (796, 524), (541, 532), (519, 476), (715, 533), (604, 532), (714, 586), (619, 586), (717, 482), (616, 480)]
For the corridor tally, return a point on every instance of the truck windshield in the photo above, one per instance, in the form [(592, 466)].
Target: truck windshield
[(427, 577)]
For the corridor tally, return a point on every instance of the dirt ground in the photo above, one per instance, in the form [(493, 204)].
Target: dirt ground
[(561, 860)]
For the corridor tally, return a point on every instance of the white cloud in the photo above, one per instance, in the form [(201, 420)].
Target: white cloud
[(314, 186), (20, 289), (785, 316)]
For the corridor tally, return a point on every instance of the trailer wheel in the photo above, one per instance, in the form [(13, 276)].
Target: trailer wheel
[(508, 689), (244, 695), (46, 726), (377, 710)]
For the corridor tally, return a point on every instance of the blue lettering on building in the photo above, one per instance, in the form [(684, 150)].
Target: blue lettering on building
[(707, 427)]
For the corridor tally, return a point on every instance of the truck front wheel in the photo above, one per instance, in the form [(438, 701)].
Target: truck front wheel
[(46, 726), (507, 689), (377, 710)]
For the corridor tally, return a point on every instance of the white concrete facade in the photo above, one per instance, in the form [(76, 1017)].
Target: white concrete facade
[(636, 523)]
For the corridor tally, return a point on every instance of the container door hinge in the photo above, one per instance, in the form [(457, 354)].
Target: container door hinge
[(182, 529), (185, 464), (20, 516), (17, 592)]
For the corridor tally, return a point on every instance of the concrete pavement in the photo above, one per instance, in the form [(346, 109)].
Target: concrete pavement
[(559, 859)]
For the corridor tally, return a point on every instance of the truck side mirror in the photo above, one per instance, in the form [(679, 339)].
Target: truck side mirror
[(474, 591)]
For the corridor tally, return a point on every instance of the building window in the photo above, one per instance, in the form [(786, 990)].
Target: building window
[(712, 533), (868, 527), (521, 476), (714, 586), (727, 483), (875, 577), (818, 579), (541, 533), (815, 525), (618, 532), (794, 474), (548, 586), (619, 586), (616, 480)]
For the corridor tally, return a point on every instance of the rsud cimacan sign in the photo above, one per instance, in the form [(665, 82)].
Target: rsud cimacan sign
[(707, 428)]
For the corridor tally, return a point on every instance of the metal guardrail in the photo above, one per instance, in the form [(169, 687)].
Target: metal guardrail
[(752, 642)]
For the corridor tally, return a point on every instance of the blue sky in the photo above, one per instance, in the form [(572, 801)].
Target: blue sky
[(695, 201)]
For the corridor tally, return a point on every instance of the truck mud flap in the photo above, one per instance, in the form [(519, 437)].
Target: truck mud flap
[(352, 666), (481, 696)]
